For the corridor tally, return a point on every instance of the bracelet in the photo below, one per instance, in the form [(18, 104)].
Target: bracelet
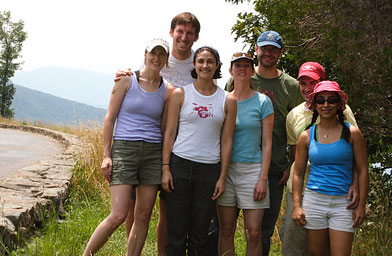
[(165, 164)]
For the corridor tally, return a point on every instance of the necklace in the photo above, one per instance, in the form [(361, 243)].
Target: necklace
[(317, 132)]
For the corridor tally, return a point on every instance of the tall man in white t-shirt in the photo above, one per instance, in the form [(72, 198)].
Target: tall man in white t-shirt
[(184, 30)]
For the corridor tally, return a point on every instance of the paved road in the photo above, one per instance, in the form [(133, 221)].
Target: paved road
[(20, 149)]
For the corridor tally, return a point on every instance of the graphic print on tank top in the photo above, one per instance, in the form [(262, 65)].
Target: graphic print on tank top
[(203, 111)]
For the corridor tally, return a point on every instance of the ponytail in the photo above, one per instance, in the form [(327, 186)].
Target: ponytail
[(231, 86), (346, 131), (314, 119)]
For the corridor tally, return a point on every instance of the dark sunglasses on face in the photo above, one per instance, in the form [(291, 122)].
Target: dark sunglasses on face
[(329, 100)]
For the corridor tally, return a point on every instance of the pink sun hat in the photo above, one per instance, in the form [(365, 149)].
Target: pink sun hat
[(328, 86)]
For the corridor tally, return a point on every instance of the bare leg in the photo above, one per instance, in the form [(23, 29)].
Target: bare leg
[(253, 219), (341, 242), (227, 224), (130, 217), (162, 228), (145, 199), (120, 203), (318, 241)]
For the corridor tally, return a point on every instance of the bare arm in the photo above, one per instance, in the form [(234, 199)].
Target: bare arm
[(226, 144), (260, 189), (169, 91), (353, 193), (116, 98), (301, 159), (361, 165), (174, 106)]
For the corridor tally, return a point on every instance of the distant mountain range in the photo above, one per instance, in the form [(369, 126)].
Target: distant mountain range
[(57, 95), (83, 86), (32, 105)]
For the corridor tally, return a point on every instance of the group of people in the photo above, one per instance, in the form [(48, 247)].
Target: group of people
[(213, 152)]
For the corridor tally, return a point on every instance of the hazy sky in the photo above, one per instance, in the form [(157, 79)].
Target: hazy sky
[(104, 36)]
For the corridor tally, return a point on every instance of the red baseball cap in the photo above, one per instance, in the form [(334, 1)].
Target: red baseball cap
[(313, 70), (329, 86)]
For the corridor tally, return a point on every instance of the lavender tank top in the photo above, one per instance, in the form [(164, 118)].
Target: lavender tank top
[(140, 113)]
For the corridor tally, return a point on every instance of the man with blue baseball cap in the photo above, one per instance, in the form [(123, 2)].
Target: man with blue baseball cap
[(285, 95), (270, 38)]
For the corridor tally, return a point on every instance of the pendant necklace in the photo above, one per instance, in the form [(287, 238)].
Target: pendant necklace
[(325, 135)]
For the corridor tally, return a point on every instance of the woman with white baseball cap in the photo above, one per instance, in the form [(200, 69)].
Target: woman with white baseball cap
[(137, 115)]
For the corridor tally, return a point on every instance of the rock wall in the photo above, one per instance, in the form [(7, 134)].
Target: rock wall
[(29, 194)]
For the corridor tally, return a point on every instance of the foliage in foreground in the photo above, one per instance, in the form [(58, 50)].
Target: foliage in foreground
[(352, 39)]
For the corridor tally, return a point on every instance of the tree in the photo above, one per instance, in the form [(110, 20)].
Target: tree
[(352, 39), (12, 37)]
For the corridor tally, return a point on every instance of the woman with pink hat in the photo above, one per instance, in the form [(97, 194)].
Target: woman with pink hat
[(333, 147)]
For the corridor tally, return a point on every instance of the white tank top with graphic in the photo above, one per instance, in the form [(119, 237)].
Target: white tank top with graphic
[(200, 126)]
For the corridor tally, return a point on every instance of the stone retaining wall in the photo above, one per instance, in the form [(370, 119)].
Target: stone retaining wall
[(30, 193)]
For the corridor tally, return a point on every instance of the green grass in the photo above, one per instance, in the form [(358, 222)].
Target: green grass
[(89, 204), (70, 235)]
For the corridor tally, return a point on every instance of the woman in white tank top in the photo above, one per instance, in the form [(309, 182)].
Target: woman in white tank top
[(195, 163)]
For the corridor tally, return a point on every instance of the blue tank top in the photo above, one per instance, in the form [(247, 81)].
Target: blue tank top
[(331, 166), (140, 113)]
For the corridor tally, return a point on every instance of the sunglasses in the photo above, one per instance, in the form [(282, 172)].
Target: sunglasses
[(329, 100), (242, 54)]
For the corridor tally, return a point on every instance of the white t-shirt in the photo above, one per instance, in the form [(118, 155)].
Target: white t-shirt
[(178, 72), (200, 126)]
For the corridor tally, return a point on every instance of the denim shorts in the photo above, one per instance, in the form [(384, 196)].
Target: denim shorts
[(240, 184), (136, 162), (324, 211)]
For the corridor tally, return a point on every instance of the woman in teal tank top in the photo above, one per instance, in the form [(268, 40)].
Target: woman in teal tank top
[(332, 148)]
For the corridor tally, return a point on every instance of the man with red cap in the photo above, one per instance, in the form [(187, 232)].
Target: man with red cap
[(293, 237)]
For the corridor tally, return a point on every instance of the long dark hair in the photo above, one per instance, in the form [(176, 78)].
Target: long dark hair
[(346, 131)]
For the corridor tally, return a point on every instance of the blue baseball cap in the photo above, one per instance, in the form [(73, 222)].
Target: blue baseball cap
[(270, 38)]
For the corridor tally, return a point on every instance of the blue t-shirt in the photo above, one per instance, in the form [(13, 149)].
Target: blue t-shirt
[(248, 128), (331, 166)]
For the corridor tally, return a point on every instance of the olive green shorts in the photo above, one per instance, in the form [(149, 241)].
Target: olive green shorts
[(136, 162)]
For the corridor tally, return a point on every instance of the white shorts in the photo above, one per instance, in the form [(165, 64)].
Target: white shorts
[(324, 211), (240, 184)]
